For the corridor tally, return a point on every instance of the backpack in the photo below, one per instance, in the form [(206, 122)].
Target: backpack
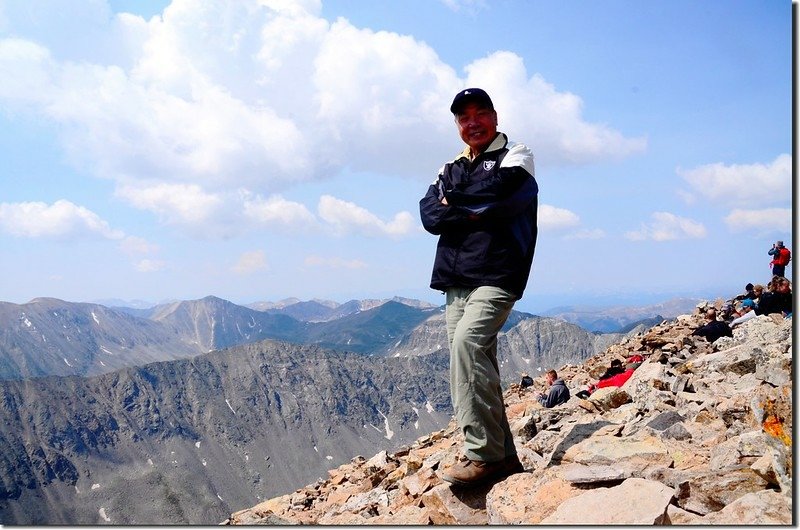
[(784, 257)]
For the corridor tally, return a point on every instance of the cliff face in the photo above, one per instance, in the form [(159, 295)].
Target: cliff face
[(527, 343), (700, 434), (188, 441)]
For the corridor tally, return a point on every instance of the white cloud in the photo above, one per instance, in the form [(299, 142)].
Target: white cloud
[(667, 227), (346, 217), (174, 203), (552, 119), (552, 218), (277, 210), (259, 96), (750, 185), (133, 245), (334, 263), (149, 265), (762, 221), (594, 233), (23, 66), (61, 219), (250, 262), (471, 7)]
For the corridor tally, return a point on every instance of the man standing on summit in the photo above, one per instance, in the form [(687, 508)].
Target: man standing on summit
[(483, 207)]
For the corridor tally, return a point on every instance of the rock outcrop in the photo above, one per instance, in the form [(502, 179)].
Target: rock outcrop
[(700, 434)]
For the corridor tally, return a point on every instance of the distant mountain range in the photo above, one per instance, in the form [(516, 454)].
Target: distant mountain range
[(622, 318), (53, 337), (184, 412)]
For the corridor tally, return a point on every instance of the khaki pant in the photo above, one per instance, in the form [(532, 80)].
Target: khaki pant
[(474, 317)]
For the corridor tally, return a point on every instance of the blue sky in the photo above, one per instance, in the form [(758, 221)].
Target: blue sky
[(263, 150)]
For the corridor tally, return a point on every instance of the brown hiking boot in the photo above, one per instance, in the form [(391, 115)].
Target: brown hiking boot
[(474, 472)]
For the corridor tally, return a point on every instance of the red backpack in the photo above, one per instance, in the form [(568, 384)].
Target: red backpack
[(783, 257)]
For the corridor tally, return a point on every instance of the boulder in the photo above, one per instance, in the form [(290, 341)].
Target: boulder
[(634, 502)]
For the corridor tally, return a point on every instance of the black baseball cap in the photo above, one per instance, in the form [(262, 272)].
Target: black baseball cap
[(476, 95)]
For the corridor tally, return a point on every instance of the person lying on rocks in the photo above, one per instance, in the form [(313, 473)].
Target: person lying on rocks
[(617, 379), (713, 328), (614, 369), (558, 393)]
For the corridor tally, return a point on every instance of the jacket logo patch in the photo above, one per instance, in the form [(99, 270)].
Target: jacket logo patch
[(488, 165)]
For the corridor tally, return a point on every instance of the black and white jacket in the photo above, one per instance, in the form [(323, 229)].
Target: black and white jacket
[(487, 232)]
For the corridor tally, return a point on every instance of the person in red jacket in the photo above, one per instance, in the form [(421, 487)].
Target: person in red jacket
[(780, 258)]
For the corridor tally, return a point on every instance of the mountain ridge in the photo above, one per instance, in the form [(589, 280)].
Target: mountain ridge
[(211, 427), (699, 434), (89, 339)]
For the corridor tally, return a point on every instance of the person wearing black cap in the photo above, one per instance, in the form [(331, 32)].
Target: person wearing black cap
[(483, 206)]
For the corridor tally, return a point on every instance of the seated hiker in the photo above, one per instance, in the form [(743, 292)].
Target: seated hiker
[(526, 381), (713, 328), (749, 292), (746, 313), (778, 299), (558, 393), (729, 312)]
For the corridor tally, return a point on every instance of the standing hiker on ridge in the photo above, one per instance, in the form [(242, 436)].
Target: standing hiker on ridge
[(483, 207), (780, 258)]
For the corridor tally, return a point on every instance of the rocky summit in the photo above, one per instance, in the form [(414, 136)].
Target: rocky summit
[(699, 434)]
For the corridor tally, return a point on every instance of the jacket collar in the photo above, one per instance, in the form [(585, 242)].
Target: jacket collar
[(498, 143)]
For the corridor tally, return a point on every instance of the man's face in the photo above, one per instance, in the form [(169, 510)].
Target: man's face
[(477, 126), (550, 379)]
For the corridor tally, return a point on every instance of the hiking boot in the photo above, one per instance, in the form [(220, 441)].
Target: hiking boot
[(474, 472)]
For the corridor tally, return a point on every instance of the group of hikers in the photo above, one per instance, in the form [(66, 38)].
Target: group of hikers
[(774, 298)]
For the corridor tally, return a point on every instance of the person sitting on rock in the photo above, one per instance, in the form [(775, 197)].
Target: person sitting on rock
[(558, 393), (729, 312), (747, 312), (749, 293), (778, 299), (713, 328), (758, 290)]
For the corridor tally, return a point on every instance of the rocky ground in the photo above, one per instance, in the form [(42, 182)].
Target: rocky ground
[(700, 434)]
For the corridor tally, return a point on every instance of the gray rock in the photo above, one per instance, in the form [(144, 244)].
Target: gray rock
[(524, 428), (677, 431), (664, 420)]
